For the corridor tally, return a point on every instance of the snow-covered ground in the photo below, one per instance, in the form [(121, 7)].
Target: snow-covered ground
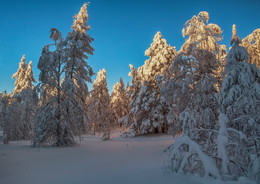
[(123, 161)]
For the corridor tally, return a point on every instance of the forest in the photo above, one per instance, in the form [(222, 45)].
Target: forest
[(205, 95)]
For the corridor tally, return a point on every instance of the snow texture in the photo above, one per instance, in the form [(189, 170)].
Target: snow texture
[(128, 161)]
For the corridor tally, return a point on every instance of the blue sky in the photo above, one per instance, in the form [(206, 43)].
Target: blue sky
[(122, 30)]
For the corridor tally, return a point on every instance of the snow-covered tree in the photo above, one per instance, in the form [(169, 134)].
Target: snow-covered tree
[(29, 104), (161, 56), (21, 114), (240, 103), (77, 72), (146, 107), (231, 149), (29, 79), (194, 68), (252, 45), (63, 113), (50, 119), (195, 82), (22, 107), (132, 91), (119, 100), (99, 110), (20, 76)]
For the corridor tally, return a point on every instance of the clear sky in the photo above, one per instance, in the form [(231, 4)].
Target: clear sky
[(122, 30)]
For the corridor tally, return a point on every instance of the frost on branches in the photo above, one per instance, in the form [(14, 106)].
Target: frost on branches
[(98, 106), (63, 88), (147, 108), (240, 102)]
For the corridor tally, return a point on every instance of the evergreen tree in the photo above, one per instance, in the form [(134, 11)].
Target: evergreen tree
[(20, 76), (99, 111), (77, 72), (50, 118), (194, 70), (133, 90), (119, 100), (195, 82), (147, 109), (22, 108), (29, 77), (63, 114), (240, 105)]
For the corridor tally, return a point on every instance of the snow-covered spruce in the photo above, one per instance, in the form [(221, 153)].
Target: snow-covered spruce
[(193, 78), (20, 75), (240, 102), (195, 117), (98, 106), (77, 73), (63, 112), (147, 108), (133, 90), (20, 112), (119, 101)]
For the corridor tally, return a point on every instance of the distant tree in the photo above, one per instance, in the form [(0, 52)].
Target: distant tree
[(119, 100), (252, 45), (20, 76), (99, 110), (22, 107), (28, 78), (133, 90)]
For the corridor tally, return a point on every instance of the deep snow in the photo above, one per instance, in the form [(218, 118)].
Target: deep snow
[(129, 161)]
